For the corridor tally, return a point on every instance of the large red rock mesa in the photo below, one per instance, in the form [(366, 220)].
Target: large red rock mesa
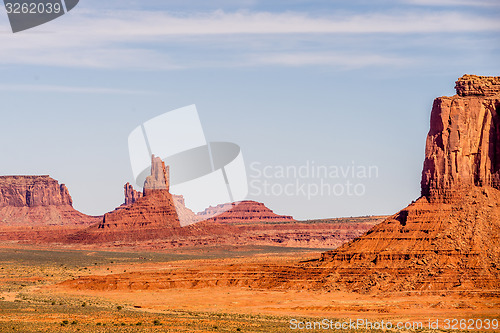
[(450, 237), (37, 201)]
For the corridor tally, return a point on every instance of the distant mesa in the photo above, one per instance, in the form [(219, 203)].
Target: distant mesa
[(37, 201), (33, 191), (448, 238), (242, 212)]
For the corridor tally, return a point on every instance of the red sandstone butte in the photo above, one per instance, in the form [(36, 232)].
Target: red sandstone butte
[(448, 238), (154, 209)]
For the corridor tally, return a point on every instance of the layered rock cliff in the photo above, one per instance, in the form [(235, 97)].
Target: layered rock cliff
[(32, 191), (37, 201), (448, 238), (463, 144)]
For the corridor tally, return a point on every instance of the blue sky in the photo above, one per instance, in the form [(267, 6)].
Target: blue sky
[(329, 82)]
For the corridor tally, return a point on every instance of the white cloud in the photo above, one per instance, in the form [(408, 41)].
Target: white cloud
[(163, 41), (68, 89), (346, 61), (471, 3), (153, 24)]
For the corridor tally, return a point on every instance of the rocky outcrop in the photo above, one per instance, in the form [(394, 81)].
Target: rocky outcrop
[(37, 201), (448, 238), (474, 85), (242, 212), (131, 195), (463, 144)]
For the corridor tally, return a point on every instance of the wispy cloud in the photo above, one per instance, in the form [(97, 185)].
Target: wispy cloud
[(67, 89), (161, 40), (346, 61), (469, 3), (153, 24)]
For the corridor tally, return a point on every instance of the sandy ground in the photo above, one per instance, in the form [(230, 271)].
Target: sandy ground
[(32, 285)]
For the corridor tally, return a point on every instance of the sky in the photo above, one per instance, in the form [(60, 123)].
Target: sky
[(342, 86)]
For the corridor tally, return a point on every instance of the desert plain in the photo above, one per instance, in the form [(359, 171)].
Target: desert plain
[(36, 298)]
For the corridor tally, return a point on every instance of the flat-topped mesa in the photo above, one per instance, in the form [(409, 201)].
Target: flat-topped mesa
[(33, 191), (159, 178), (463, 144), (38, 201), (241, 212)]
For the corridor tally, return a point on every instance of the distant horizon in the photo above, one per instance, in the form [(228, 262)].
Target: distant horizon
[(279, 213)]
